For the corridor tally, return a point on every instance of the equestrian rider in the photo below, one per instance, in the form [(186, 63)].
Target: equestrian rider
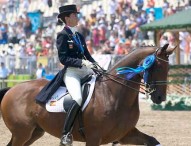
[(74, 55)]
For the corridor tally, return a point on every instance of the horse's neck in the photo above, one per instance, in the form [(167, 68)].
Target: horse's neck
[(133, 59), (122, 93)]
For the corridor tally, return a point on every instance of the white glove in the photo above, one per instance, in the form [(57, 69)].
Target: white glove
[(87, 63)]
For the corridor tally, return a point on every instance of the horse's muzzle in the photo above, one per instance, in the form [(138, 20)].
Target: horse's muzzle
[(158, 99)]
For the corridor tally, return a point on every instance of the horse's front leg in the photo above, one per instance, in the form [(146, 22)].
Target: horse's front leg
[(136, 137)]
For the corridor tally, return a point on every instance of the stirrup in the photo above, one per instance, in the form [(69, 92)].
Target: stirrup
[(66, 140)]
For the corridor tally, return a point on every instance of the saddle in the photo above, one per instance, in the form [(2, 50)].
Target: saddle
[(85, 91), (61, 100)]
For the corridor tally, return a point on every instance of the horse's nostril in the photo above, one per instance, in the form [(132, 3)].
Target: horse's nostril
[(159, 98)]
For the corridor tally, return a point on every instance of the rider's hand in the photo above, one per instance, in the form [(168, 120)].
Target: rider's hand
[(96, 66), (87, 63)]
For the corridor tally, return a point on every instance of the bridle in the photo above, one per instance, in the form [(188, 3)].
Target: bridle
[(146, 87)]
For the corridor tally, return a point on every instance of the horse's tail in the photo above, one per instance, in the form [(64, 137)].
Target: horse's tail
[(2, 93)]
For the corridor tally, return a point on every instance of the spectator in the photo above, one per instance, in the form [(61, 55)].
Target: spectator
[(150, 3), (3, 14), (38, 48), (151, 15), (11, 6), (12, 34), (170, 10), (165, 6), (25, 5), (95, 37), (27, 26), (49, 3), (92, 19), (3, 33), (113, 5), (29, 49), (89, 46), (102, 33), (112, 40), (11, 57), (40, 73), (100, 12), (122, 23), (120, 48), (143, 17), (50, 30), (139, 4), (83, 29), (106, 49), (22, 55), (4, 73), (3, 55)]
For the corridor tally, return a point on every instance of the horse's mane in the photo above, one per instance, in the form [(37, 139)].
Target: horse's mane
[(135, 56)]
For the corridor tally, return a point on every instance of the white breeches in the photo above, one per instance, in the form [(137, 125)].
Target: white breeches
[(72, 79)]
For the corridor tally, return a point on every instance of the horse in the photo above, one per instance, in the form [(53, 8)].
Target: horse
[(110, 116)]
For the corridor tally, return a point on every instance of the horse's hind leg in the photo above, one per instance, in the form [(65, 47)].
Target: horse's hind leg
[(25, 136), (136, 137), (37, 133), (21, 134)]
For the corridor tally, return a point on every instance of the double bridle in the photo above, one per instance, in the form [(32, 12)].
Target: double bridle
[(148, 90)]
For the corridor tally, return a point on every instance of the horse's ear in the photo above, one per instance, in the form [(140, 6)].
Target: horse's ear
[(171, 50), (164, 47)]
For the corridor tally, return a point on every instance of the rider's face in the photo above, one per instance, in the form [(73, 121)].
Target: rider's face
[(72, 19)]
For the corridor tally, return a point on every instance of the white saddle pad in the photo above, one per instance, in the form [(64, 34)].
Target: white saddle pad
[(55, 103)]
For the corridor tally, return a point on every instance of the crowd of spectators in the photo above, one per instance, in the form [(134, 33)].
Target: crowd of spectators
[(116, 31)]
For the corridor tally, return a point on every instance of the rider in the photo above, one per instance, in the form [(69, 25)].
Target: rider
[(74, 55)]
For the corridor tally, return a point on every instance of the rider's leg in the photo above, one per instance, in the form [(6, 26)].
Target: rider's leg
[(73, 85), (69, 121)]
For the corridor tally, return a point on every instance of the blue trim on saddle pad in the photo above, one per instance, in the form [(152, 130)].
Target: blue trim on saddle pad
[(131, 72)]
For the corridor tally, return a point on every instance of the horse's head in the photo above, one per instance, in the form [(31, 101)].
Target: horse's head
[(153, 66), (157, 74)]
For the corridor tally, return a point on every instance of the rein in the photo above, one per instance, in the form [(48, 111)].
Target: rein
[(147, 86), (112, 77), (122, 83)]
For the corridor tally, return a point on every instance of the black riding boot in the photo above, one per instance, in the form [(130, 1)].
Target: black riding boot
[(66, 139)]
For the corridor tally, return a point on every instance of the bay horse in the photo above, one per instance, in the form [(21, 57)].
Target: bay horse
[(111, 115)]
